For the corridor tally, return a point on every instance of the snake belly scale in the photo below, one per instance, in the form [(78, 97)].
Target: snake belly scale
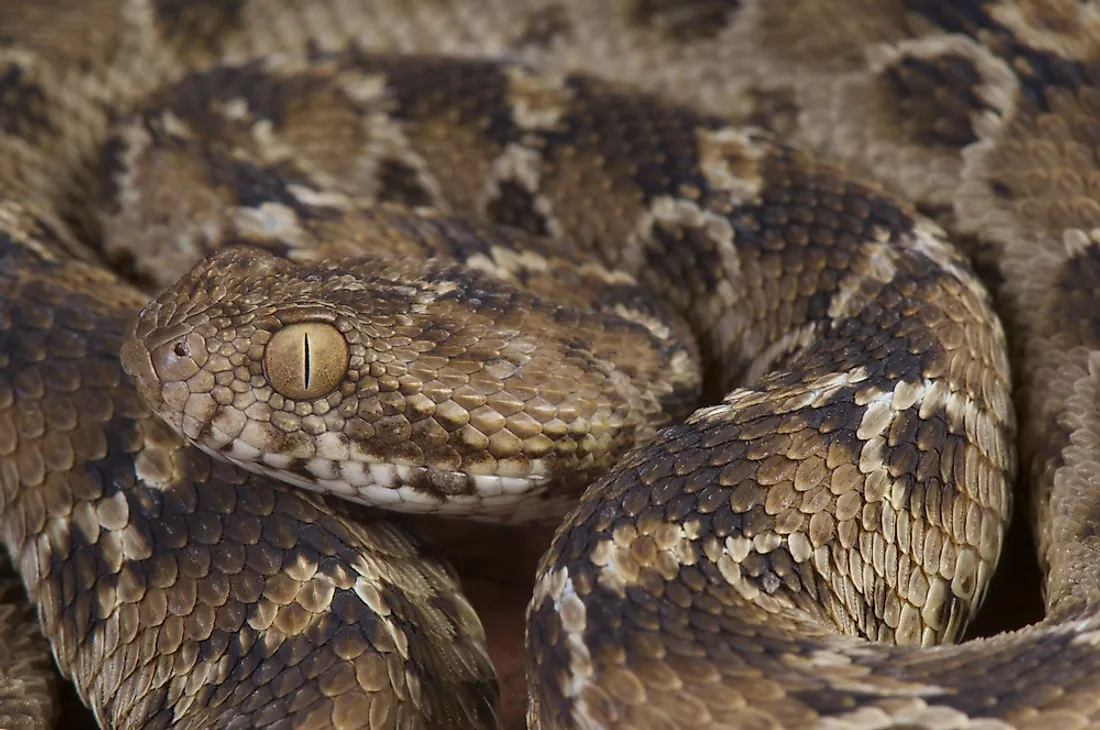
[(277, 277)]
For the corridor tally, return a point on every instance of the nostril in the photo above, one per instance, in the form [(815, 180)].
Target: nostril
[(174, 361)]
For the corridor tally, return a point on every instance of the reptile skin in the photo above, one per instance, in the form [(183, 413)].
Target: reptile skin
[(592, 264)]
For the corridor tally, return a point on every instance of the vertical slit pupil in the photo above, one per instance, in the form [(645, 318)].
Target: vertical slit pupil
[(307, 369)]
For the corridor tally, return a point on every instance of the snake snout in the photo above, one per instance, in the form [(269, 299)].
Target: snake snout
[(178, 358), (137, 364), (162, 361)]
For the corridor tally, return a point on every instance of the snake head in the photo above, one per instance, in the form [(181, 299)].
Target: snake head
[(417, 385)]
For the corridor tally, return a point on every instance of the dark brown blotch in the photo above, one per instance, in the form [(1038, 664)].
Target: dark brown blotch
[(937, 98), (514, 206), (23, 108), (252, 186), (199, 97), (400, 183), (685, 20), (472, 94), (968, 17), (199, 27), (1073, 303)]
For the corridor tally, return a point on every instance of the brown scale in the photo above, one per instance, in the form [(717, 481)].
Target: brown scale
[(545, 26), (937, 98), (28, 685), (698, 637), (213, 567), (439, 406), (685, 20), (1030, 197), (457, 433), (825, 527)]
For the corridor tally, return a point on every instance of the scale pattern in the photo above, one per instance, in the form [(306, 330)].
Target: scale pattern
[(801, 553)]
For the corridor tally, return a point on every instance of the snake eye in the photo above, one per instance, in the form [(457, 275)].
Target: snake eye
[(305, 361)]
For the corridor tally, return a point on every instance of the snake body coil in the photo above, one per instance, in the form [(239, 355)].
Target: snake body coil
[(597, 255)]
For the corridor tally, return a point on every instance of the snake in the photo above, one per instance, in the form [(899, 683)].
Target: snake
[(770, 310)]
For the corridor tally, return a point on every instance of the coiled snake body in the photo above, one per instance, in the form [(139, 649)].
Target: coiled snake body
[(387, 219)]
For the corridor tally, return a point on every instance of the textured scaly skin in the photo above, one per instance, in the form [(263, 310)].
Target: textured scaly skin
[(697, 582)]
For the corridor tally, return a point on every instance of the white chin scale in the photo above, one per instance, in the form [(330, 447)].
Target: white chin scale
[(395, 487)]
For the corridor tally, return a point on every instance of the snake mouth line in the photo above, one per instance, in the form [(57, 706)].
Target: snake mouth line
[(402, 487)]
